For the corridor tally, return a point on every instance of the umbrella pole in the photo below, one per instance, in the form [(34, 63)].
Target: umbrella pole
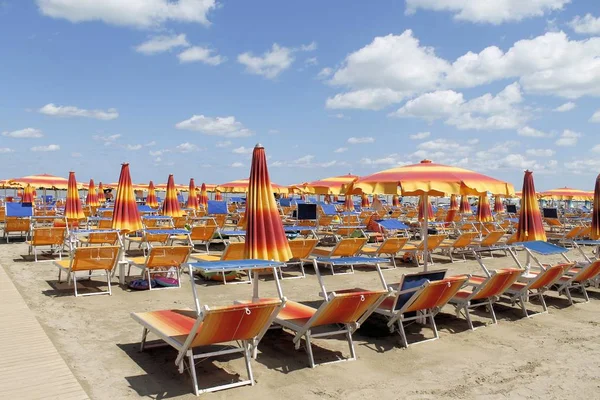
[(425, 232)]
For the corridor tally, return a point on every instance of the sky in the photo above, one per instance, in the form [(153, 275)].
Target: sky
[(188, 87)]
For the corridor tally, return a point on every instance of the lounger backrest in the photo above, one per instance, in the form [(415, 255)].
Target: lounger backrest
[(392, 245), (348, 247), (16, 224), (218, 219), (345, 308), (106, 213), (411, 281), (105, 224), (48, 236), (497, 283), (203, 232), (433, 241), (235, 322), (588, 272), (574, 232), (95, 258), (110, 238), (325, 220), (179, 222), (156, 237), (584, 232), (435, 294), (553, 222), (234, 251), (465, 239), (301, 248), (167, 256), (550, 276), (492, 238)]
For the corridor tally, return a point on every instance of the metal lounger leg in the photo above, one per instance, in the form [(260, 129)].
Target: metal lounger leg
[(144, 337), (402, 332), (308, 345), (350, 342), (491, 304)]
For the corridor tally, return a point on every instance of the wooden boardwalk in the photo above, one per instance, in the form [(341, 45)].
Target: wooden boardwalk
[(30, 366)]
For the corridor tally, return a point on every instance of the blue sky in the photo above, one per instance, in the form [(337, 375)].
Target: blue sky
[(188, 87)]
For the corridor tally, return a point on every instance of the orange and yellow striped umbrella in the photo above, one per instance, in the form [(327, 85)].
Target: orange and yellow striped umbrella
[(151, 200), (395, 201), (430, 215), (465, 207), (566, 194), (327, 198), (348, 203), (203, 197), (332, 185), (27, 194), (484, 211), (218, 195), (364, 201), (42, 181), (595, 233), (335, 198), (242, 186), (530, 226), (101, 198), (170, 206), (453, 209), (498, 205), (377, 205), (126, 217), (92, 196), (73, 209), (192, 201), (265, 237)]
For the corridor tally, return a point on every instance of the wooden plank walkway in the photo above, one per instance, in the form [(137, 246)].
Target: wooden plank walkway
[(30, 366)]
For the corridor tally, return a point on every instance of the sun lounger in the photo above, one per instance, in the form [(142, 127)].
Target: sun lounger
[(47, 236), (433, 241), (160, 260), (390, 247), (234, 251), (459, 245), (201, 233), (345, 248), (491, 242), (578, 279), (301, 250), (89, 259), (237, 325), (110, 238)]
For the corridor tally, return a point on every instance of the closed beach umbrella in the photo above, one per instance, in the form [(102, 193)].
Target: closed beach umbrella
[(126, 217), (92, 196), (170, 206), (396, 200), (27, 194), (203, 197), (218, 196), (73, 209), (498, 206), (530, 226), (430, 215), (484, 212), (595, 234), (192, 201), (265, 236), (348, 203), (327, 199), (335, 198), (151, 199), (465, 207), (453, 209), (364, 201)]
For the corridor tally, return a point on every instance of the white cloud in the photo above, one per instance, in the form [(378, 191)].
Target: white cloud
[(186, 147), (540, 152), (225, 143), (361, 140), (531, 132), (135, 13), (50, 147), (155, 153), (366, 99), (312, 46), (325, 73), (24, 133), (160, 44), (595, 117), (108, 140), (392, 159), (596, 148), (150, 144), (568, 138), (420, 135), (237, 165), (273, 131), (488, 11), (311, 61), (72, 111), (134, 147), (270, 64), (307, 161), (242, 150), (587, 24), (5, 150), (341, 150), (218, 126), (585, 166), (76, 155), (200, 54), (568, 106)]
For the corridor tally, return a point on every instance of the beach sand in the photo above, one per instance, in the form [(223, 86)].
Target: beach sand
[(551, 356)]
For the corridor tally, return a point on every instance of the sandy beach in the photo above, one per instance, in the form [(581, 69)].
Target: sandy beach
[(548, 356)]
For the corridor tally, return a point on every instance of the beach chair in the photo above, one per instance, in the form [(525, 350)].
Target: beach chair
[(47, 236), (417, 250), (200, 233), (301, 250), (89, 259), (233, 251), (578, 278), (491, 242), (100, 239), (148, 238), (459, 245), (190, 334), (347, 247), (536, 286), (484, 292), (160, 260), (390, 246), (343, 312), (418, 297)]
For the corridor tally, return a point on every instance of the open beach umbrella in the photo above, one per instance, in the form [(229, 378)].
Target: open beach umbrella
[(484, 212), (465, 207), (43, 181), (395, 201), (73, 209), (203, 197), (151, 199), (348, 203), (265, 236), (126, 217), (218, 195), (192, 201), (430, 215), (595, 233), (453, 209), (170, 206), (27, 194), (242, 186), (498, 206), (332, 185), (530, 225), (92, 196), (364, 201), (566, 194)]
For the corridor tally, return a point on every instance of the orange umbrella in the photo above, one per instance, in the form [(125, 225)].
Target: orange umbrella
[(73, 210), (192, 201), (265, 237), (151, 199), (530, 226), (348, 203), (203, 197), (498, 206), (42, 181), (566, 194), (364, 201), (327, 199), (430, 215), (484, 212), (303, 197), (126, 217), (335, 198), (170, 207), (101, 197), (218, 195), (395, 201), (465, 207), (28, 194), (92, 196), (595, 233), (452, 209), (242, 186), (377, 205), (332, 185)]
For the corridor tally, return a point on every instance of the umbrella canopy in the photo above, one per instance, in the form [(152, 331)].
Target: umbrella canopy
[(348, 203), (265, 237), (73, 208), (218, 195), (101, 197), (364, 201), (92, 196), (484, 212), (242, 186), (595, 233), (192, 201), (151, 199), (126, 217), (164, 187), (203, 197), (430, 215), (6, 184), (453, 209), (395, 201), (170, 207), (465, 207), (28, 196), (42, 181), (332, 185), (566, 194), (530, 226), (498, 206)]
